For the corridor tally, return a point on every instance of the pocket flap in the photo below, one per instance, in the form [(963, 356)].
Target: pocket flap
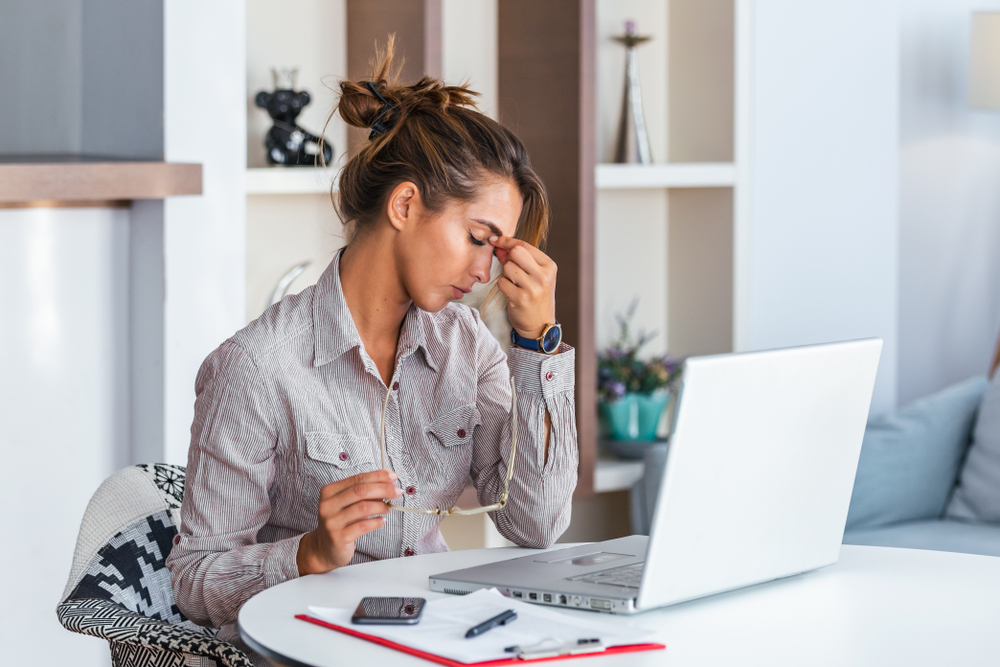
[(455, 427), (342, 450)]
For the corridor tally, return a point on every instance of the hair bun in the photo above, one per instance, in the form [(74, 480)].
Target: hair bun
[(360, 105)]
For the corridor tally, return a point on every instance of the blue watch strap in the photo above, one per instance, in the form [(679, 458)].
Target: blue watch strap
[(521, 341)]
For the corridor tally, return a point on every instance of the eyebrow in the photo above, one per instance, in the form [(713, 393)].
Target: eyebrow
[(496, 230)]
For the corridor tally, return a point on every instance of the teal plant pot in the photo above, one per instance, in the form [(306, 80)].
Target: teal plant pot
[(635, 416)]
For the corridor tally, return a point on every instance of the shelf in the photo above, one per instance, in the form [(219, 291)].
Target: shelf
[(686, 175), (289, 180), (56, 180), (615, 475)]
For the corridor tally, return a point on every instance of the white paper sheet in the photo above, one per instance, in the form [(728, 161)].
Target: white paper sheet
[(442, 628)]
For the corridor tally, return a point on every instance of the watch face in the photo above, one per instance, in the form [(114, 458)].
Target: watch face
[(551, 339)]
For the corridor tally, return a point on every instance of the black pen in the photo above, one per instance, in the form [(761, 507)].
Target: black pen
[(485, 626)]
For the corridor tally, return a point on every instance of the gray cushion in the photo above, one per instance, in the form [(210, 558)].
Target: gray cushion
[(936, 535), (910, 458), (977, 496)]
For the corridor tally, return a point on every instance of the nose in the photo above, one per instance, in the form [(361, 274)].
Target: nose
[(481, 267)]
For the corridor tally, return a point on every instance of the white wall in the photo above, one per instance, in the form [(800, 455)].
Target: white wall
[(949, 236), (204, 237), (824, 161), (63, 410)]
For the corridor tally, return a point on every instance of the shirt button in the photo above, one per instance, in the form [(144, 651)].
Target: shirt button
[(409, 552), (395, 386), (177, 540), (411, 490), (549, 376), (344, 456), (461, 432)]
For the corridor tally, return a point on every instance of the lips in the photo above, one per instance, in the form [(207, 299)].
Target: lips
[(459, 291)]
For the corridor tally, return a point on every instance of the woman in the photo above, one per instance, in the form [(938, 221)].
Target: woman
[(285, 470)]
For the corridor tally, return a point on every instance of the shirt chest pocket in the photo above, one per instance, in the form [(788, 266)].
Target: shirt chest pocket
[(334, 456), (454, 428)]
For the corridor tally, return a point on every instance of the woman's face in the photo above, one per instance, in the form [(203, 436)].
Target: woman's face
[(445, 253)]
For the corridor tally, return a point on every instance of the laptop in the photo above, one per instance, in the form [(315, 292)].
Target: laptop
[(758, 479)]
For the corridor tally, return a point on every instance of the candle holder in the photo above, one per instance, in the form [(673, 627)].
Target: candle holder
[(632, 146)]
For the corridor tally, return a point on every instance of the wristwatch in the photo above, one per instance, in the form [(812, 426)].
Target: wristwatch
[(547, 343)]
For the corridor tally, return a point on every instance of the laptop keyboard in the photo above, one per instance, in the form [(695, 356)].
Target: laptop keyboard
[(627, 576)]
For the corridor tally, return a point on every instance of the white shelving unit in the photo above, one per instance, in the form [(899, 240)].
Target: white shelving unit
[(614, 475), (290, 180), (678, 175)]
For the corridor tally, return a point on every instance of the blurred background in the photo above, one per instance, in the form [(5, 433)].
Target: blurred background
[(818, 172)]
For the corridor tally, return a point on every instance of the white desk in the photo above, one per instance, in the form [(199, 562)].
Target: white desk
[(877, 606)]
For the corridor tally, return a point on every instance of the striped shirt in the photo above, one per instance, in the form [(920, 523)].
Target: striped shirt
[(293, 402)]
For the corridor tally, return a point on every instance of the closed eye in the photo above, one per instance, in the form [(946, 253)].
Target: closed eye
[(476, 241)]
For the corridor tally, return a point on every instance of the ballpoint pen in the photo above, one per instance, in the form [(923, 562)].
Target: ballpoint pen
[(500, 619)]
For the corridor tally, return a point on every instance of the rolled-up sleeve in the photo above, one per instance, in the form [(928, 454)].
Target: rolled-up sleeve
[(539, 505), (217, 564)]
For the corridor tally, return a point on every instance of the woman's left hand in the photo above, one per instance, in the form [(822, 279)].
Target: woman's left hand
[(529, 283)]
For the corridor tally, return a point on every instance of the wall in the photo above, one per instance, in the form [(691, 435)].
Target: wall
[(65, 87), (66, 324), (822, 244), (949, 222), (63, 407), (205, 236), (40, 42)]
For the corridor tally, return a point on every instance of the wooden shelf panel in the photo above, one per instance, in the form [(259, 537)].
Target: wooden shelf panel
[(676, 175), (290, 180), (75, 180)]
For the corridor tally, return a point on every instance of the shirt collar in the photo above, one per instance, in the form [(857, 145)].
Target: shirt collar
[(334, 332)]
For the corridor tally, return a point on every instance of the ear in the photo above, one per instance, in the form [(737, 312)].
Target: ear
[(404, 206), (262, 99)]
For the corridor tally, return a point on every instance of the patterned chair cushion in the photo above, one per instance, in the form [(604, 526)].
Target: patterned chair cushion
[(119, 586)]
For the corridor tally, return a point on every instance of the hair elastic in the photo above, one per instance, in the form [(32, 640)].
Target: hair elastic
[(379, 126)]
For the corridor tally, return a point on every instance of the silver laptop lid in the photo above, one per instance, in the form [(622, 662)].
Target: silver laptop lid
[(760, 468)]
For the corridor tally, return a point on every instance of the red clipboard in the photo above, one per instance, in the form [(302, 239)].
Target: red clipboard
[(611, 650)]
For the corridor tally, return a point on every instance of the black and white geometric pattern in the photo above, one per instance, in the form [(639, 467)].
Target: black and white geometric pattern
[(130, 570), (144, 642), (169, 479), (124, 595)]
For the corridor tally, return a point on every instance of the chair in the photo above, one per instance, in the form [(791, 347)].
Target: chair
[(119, 587)]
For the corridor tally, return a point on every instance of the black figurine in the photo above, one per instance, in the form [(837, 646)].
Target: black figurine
[(287, 143)]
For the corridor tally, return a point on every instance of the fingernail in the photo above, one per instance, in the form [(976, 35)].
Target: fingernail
[(494, 239), (393, 476)]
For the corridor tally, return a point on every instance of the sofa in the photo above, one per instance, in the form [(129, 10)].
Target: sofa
[(929, 474)]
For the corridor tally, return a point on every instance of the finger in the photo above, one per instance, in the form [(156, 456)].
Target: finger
[(356, 512), (351, 495), (509, 243), (362, 510), (357, 529), (509, 289), (368, 491), (502, 255), (374, 476), (516, 274)]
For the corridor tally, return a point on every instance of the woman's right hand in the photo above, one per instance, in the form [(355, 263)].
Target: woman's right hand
[(344, 511)]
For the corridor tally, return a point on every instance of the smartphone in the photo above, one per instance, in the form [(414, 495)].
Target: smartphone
[(389, 611)]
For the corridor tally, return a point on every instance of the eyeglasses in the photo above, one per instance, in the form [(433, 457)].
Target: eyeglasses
[(437, 511)]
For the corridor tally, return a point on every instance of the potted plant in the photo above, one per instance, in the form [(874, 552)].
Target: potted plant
[(633, 392)]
